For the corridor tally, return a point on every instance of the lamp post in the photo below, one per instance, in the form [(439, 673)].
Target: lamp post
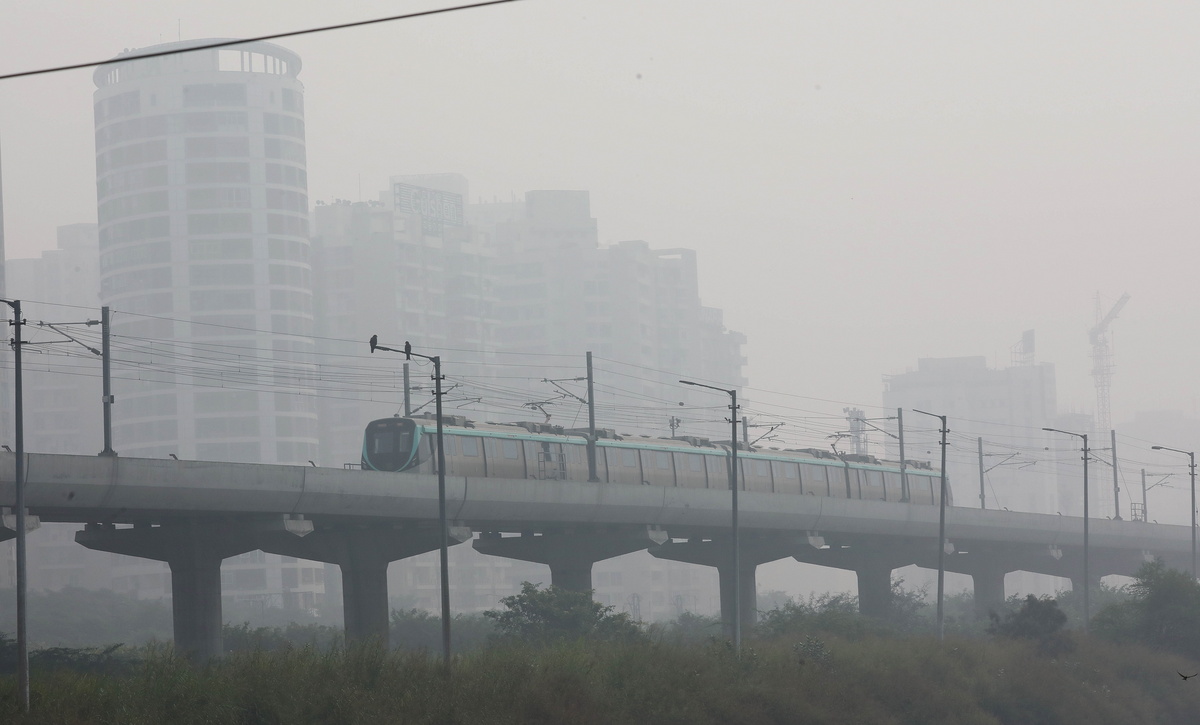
[(733, 486), (1192, 469), (444, 534), (1087, 610), (22, 578), (941, 582)]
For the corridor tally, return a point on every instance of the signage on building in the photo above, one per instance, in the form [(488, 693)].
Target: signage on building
[(435, 207)]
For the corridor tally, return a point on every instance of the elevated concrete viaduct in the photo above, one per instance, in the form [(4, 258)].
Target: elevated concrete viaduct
[(192, 514)]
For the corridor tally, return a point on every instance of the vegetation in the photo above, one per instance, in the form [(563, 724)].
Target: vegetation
[(553, 614), (88, 618), (812, 680), (417, 629), (1039, 620), (1162, 611), (551, 656)]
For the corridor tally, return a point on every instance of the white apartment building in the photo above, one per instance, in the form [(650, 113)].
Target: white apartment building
[(204, 259)]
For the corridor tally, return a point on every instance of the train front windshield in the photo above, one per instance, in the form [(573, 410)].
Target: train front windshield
[(389, 445)]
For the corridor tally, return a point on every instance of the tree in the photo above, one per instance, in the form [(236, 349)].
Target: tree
[(1163, 611), (554, 614), (415, 629), (1039, 620), (828, 613), (75, 617)]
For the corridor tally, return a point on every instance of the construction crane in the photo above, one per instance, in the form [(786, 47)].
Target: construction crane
[(1102, 360)]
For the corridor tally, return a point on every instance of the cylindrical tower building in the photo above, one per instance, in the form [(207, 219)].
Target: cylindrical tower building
[(204, 252)]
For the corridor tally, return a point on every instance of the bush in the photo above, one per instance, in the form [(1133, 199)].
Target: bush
[(876, 680), (417, 629), (690, 627), (243, 638), (837, 614), (1163, 611), (76, 617), (553, 614), (113, 659), (1039, 620)]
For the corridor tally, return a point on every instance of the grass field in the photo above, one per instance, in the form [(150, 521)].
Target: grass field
[(785, 680)]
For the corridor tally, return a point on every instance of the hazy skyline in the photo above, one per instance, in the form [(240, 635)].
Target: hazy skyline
[(865, 184)]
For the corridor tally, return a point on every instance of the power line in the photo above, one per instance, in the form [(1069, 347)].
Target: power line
[(244, 41)]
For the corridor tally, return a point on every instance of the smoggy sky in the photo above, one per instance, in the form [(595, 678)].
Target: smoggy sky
[(866, 183)]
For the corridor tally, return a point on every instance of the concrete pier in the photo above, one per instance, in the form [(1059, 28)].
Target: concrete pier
[(194, 549), (363, 552), (718, 552), (570, 553)]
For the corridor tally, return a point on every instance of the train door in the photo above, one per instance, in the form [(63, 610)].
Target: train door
[(448, 449), (689, 470), (891, 486), (504, 458), (718, 471), (924, 490), (604, 463), (872, 485), (625, 465), (575, 455), (658, 469), (787, 477), (820, 481), (428, 455), (757, 475), (469, 460)]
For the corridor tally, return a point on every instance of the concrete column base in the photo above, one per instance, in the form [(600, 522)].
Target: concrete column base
[(569, 554), (363, 553), (989, 590), (719, 553), (874, 588), (872, 561), (194, 551)]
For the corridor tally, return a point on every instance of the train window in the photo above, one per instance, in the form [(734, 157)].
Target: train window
[(789, 470), (384, 442), (448, 444), (662, 460), (695, 462), (628, 458), (470, 446), (510, 449), (760, 469), (816, 474), (875, 478)]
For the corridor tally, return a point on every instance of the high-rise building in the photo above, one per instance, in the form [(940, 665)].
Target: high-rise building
[(560, 292), (517, 282), (204, 259), (500, 289), (61, 378), (61, 387), (406, 267), (204, 250), (1005, 407)]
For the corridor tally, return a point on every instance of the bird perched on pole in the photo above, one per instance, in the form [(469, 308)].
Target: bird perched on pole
[(407, 350), (374, 342)]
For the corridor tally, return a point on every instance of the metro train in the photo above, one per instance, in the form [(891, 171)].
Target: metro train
[(541, 451)]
